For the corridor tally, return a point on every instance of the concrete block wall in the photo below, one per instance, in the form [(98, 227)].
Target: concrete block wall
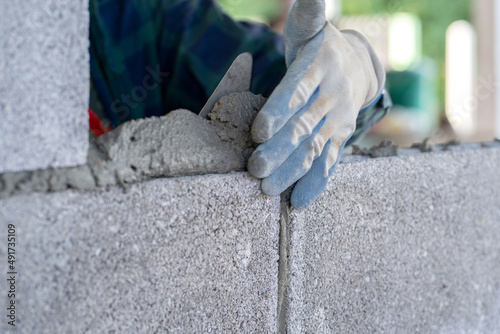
[(44, 84), (400, 245), (397, 245), (185, 255)]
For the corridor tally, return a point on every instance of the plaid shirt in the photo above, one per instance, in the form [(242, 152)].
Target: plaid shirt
[(149, 57)]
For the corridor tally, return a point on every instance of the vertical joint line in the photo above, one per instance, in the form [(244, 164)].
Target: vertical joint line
[(283, 264)]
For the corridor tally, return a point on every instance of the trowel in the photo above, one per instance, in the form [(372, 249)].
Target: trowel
[(236, 80)]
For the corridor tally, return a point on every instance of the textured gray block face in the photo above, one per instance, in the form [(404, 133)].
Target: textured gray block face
[(185, 255), (400, 245), (44, 85)]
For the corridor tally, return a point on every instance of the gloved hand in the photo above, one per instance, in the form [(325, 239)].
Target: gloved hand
[(306, 122)]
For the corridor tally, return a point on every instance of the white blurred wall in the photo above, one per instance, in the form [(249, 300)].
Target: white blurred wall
[(487, 91), (462, 100)]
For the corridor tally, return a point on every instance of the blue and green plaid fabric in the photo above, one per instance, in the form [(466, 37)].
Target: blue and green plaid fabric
[(149, 57)]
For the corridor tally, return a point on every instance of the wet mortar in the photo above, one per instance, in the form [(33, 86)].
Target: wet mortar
[(180, 144)]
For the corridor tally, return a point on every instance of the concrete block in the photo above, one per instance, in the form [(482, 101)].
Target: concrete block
[(184, 255), (408, 244), (44, 86)]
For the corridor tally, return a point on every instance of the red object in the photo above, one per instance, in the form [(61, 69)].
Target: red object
[(96, 125)]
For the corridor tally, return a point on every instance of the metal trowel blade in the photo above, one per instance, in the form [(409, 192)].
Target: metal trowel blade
[(236, 80)]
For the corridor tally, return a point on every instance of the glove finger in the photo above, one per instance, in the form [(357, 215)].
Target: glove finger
[(312, 185), (292, 94), (296, 166), (339, 131), (304, 124), (305, 20)]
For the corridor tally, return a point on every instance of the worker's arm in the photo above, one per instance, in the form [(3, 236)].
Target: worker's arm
[(332, 76)]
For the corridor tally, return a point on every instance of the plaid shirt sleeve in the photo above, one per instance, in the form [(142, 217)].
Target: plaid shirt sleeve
[(152, 56)]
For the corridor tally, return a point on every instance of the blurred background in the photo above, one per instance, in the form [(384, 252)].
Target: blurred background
[(439, 55)]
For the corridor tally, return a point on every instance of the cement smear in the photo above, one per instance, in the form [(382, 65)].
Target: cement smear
[(177, 144), (424, 146), (385, 149)]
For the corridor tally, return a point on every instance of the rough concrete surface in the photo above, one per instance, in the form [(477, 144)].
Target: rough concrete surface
[(184, 255), (177, 144), (408, 244), (44, 76)]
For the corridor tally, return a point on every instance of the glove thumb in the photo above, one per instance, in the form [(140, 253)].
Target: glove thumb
[(305, 20)]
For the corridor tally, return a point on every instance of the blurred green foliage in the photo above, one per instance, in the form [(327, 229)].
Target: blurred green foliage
[(258, 10), (436, 16)]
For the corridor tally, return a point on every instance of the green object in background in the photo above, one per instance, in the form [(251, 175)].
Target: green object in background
[(416, 89), (405, 88), (263, 11)]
